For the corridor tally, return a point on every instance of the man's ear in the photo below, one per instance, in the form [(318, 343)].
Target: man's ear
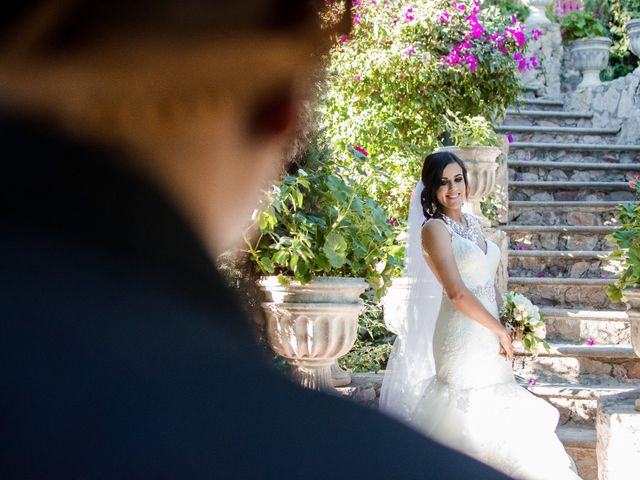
[(274, 114)]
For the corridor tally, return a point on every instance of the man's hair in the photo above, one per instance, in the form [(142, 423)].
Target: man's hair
[(74, 23)]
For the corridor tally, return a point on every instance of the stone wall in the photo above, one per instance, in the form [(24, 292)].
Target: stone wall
[(614, 104), (548, 50)]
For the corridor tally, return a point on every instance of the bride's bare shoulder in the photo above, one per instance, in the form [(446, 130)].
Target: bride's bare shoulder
[(435, 226), (435, 235)]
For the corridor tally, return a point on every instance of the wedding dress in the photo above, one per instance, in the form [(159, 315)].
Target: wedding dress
[(471, 402)]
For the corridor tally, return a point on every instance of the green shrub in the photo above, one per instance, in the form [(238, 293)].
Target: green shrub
[(626, 239), (373, 344), (322, 223), (581, 24), (473, 131), (390, 86)]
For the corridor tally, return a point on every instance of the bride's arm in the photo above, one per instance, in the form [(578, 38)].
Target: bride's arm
[(436, 243)]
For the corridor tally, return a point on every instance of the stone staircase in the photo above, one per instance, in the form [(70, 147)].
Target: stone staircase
[(565, 180)]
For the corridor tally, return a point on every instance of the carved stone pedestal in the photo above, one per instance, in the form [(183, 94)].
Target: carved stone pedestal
[(313, 325), (618, 430)]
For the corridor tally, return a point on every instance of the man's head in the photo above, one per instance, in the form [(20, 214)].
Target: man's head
[(204, 93)]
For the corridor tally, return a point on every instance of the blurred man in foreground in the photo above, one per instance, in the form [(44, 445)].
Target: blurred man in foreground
[(137, 136)]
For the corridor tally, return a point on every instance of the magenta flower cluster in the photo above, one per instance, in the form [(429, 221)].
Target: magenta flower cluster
[(513, 35)]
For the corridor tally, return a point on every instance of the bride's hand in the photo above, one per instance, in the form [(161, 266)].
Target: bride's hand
[(506, 347), (517, 335)]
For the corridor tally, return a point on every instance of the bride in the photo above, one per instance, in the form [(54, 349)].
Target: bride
[(450, 373)]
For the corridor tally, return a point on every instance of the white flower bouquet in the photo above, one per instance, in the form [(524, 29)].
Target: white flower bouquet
[(523, 321)]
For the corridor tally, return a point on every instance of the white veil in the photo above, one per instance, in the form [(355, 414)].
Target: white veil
[(417, 300)]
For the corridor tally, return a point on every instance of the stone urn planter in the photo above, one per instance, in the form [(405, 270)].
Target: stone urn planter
[(590, 56), (633, 27), (633, 310), (395, 304), (312, 325), (481, 168), (537, 9)]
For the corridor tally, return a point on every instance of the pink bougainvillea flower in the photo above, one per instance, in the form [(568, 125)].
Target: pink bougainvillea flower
[(534, 62), (510, 138), (591, 342), (633, 184), (472, 62), (517, 56), (532, 381), (514, 19), (535, 33), (356, 19), (408, 51), (522, 64), (408, 14), (361, 150), (359, 77), (344, 39), (461, 7), (444, 17), (518, 36), (393, 222)]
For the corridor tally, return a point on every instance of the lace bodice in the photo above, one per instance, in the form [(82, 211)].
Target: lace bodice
[(477, 268)]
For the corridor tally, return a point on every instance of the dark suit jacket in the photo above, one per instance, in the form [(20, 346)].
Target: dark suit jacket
[(123, 355)]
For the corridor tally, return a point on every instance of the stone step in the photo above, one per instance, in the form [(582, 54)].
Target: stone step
[(555, 237), (548, 173), (576, 403), (580, 443), (586, 282), (620, 157), (568, 185), (548, 114), (583, 229), (633, 167), (562, 264), (562, 212), (570, 191), (571, 216), (546, 129), (584, 147), (607, 327), (541, 118), (541, 103), (579, 363), (577, 254), (565, 292)]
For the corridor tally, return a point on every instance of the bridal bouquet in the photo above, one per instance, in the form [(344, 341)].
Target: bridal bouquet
[(523, 320)]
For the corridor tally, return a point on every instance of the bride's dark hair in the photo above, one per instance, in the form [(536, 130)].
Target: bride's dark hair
[(434, 165)]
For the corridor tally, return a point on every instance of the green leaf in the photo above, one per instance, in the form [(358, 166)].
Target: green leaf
[(335, 249)]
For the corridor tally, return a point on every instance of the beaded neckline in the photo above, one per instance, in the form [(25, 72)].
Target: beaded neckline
[(471, 232)]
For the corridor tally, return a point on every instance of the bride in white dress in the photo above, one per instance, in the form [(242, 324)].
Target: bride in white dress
[(450, 372)]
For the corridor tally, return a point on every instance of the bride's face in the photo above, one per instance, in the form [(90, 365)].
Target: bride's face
[(452, 191)]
